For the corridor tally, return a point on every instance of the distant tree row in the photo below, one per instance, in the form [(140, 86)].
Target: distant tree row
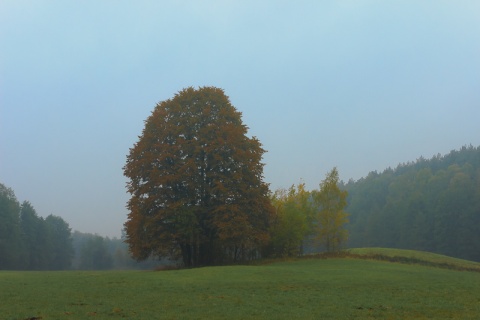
[(94, 252), (430, 205), (30, 242)]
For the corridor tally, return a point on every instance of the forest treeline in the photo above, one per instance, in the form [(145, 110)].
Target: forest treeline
[(94, 252), (31, 242), (429, 205)]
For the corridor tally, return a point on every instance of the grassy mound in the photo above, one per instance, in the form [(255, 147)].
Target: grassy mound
[(414, 257)]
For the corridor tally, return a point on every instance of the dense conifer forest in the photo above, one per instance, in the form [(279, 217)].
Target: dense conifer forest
[(430, 205), (30, 242)]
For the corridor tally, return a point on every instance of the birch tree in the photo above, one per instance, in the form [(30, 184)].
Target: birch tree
[(330, 216)]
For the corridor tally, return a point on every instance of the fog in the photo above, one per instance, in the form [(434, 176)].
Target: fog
[(360, 85)]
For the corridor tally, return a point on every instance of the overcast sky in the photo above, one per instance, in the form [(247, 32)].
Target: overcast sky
[(361, 85)]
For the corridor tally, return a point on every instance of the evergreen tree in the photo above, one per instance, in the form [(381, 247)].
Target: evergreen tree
[(29, 242), (10, 240), (429, 205), (61, 243), (36, 239)]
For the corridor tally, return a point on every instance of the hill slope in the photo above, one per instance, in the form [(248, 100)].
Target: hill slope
[(430, 205), (415, 257)]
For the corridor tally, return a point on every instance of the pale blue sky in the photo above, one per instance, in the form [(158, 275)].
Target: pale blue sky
[(361, 85)]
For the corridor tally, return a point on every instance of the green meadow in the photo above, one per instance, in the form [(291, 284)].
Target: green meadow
[(333, 288)]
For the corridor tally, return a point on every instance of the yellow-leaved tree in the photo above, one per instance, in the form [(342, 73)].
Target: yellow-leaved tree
[(330, 216), (291, 221)]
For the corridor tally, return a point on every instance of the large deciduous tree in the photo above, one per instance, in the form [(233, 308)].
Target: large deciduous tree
[(195, 180)]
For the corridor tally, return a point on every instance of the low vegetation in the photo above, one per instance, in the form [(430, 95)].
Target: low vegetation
[(332, 288)]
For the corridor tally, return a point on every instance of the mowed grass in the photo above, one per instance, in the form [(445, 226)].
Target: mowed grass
[(302, 289)]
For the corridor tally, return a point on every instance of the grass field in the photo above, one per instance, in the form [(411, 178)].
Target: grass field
[(302, 289)]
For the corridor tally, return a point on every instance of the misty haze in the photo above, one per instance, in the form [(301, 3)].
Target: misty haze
[(275, 160)]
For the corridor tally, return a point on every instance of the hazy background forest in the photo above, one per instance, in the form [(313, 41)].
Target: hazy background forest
[(427, 204), (30, 242)]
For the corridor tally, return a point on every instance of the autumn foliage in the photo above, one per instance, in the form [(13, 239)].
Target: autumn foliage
[(331, 218), (308, 222), (195, 180)]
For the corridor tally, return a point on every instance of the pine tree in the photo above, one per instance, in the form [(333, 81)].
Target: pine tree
[(10, 236)]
